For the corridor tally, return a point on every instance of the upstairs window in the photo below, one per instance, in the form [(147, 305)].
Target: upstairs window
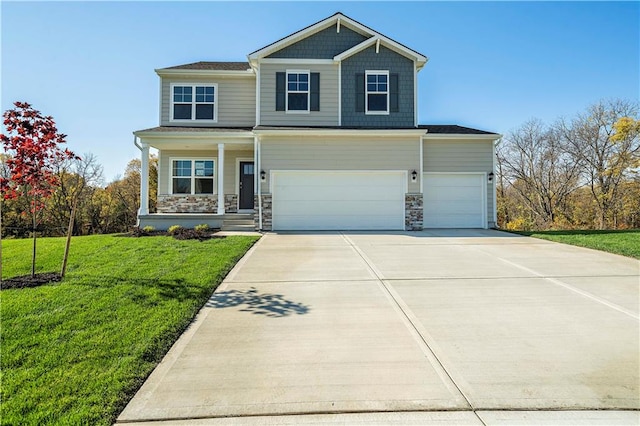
[(377, 92), (192, 176), (193, 102), (297, 91)]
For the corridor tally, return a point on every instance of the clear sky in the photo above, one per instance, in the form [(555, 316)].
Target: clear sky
[(492, 65)]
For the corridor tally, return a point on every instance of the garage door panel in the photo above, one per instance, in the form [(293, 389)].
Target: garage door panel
[(454, 200), (321, 200)]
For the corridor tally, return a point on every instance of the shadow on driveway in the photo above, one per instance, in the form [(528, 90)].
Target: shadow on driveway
[(268, 304)]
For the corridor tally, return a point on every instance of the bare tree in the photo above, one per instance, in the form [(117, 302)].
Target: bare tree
[(533, 162), (604, 160)]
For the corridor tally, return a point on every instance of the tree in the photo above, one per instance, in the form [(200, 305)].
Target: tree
[(33, 143), (533, 161), (604, 141)]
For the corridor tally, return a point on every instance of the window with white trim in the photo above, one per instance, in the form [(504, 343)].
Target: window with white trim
[(192, 176), (298, 91), (377, 92), (194, 102)]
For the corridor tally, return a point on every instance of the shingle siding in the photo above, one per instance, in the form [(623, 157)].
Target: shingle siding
[(323, 45), (386, 59)]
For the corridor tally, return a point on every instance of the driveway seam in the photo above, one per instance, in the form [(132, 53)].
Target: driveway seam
[(410, 321)]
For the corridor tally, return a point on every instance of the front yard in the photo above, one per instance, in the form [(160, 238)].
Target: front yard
[(626, 243), (76, 351)]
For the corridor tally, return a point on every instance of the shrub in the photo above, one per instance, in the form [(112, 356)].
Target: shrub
[(203, 227), (175, 229), (148, 229)]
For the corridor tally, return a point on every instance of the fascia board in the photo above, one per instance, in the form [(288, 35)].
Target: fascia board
[(205, 73), (340, 132), (491, 137)]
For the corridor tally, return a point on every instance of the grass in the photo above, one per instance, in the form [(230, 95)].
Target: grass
[(626, 243), (75, 352)]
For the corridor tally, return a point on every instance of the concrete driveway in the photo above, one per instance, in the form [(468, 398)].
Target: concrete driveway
[(432, 327)]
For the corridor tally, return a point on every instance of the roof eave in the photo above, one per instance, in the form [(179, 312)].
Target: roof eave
[(163, 72)]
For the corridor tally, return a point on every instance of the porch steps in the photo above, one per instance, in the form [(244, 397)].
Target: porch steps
[(238, 222)]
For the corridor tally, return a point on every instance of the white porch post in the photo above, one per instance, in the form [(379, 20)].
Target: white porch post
[(144, 179), (220, 178)]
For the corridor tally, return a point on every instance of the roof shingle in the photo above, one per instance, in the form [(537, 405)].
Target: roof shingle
[(213, 66)]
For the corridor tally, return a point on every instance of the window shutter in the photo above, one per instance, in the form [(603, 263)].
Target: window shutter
[(359, 92), (280, 91), (394, 97), (315, 91)]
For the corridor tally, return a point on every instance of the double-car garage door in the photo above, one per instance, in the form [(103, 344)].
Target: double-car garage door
[(361, 200), (336, 200)]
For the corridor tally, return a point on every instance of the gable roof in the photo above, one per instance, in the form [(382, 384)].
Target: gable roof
[(452, 129), (339, 19)]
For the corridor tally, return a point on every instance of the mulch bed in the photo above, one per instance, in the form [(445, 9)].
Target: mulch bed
[(26, 281)]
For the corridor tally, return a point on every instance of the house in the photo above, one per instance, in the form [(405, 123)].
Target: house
[(316, 131)]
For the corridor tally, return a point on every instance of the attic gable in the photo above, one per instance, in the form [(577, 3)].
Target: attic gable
[(338, 22)]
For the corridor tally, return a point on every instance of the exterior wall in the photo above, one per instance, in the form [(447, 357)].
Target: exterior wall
[(230, 157), (328, 114), (386, 59), (236, 99), (340, 153), (413, 212), (324, 44), (461, 155)]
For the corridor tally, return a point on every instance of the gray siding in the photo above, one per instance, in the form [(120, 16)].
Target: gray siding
[(236, 101), (324, 44), (340, 153), (328, 114), (460, 155), (386, 59), (164, 173)]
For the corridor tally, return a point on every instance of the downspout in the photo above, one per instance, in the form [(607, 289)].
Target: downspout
[(259, 170)]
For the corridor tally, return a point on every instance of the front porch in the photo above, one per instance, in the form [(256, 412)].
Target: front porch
[(225, 222)]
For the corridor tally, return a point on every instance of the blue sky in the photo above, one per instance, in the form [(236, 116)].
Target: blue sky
[(493, 65)]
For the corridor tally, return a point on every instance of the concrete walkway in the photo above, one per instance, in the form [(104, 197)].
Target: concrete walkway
[(432, 327)]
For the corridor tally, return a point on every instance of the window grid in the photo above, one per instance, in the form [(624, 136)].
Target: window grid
[(297, 91), (193, 177), (195, 102), (377, 92)]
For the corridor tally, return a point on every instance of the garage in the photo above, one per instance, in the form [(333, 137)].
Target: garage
[(454, 200), (338, 200)]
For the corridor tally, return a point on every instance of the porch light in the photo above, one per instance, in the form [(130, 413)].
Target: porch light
[(414, 176), (490, 177), (263, 175)]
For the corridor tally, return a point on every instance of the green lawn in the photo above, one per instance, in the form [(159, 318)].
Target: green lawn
[(626, 243), (76, 351)]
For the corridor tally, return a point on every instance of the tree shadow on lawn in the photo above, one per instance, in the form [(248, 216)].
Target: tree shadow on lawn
[(268, 304)]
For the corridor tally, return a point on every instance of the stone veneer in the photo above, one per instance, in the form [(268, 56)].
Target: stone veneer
[(266, 212), (413, 212), (230, 203), (187, 203)]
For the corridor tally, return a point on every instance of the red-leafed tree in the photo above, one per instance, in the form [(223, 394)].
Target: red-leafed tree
[(34, 147)]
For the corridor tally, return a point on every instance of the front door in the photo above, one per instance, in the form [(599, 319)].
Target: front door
[(246, 185)]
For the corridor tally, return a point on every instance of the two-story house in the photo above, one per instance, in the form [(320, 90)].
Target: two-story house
[(317, 131)]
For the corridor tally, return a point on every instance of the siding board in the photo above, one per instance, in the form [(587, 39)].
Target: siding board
[(236, 101), (326, 116)]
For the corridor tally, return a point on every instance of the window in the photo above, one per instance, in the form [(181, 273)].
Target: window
[(377, 92), (298, 91), (194, 102), (192, 176)]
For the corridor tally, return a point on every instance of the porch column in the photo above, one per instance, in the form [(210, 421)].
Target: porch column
[(220, 178), (144, 179)]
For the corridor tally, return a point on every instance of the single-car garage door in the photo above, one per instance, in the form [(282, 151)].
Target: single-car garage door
[(338, 200), (454, 200)]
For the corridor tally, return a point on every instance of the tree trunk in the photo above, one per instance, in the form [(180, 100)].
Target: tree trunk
[(33, 227), (69, 233)]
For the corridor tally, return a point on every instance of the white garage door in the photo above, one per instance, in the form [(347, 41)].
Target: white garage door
[(453, 200), (338, 200)]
